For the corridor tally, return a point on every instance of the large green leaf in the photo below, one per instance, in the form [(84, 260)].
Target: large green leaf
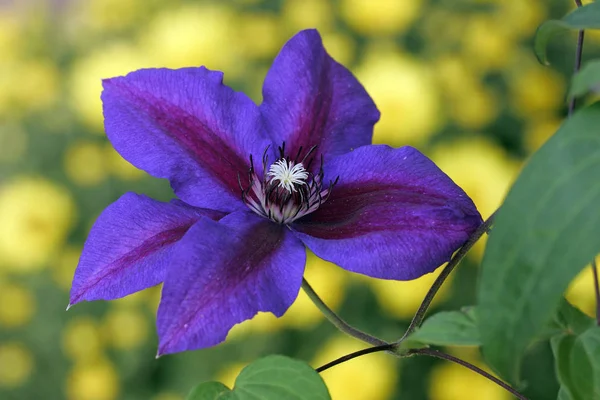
[(561, 348), (448, 328), (270, 378), (209, 391), (587, 80), (546, 231), (586, 17), (563, 394), (571, 319), (585, 365), (278, 377)]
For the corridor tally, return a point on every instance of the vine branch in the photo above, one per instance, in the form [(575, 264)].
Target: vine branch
[(336, 320), (448, 357), (577, 66), (426, 352), (348, 357), (596, 290), (460, 254)]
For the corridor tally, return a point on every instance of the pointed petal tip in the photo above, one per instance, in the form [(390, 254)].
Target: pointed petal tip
[(69, 306)]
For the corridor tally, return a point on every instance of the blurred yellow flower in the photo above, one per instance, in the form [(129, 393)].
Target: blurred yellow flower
[(475, 108), (17, 305), (372, 377), (85, 82), (13, 142), (27, 85), (85, 163), (262, 322), (328, 281), (259, 34), (229, 373), (96, 381), (341, 47), (108, 15), (401, 299), (482, 169), (380, 17), (471, 104), (406, 94), (125, 328), (120, 167), (449, 381), (524, 16), (486, 45), (442, 19), (81, 340), (16, 364), (10, 35), (194, 35), (64, 265), (540, 129), (581, 291), (454, 74), (36, 216), (534, 89), (302, 14), (135, 299)]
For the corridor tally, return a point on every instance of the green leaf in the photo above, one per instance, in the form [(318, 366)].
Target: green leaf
[(587, 80), (563, 394), (572, 319), (270, 378), (448, 328), (586, 17), (561, 348), (209, 391), (585, 365), (545, 233), (279, 377)]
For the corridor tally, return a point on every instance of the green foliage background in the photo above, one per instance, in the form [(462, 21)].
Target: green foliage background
[(456, 78)]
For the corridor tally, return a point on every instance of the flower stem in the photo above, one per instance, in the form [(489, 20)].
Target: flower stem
[(578, 53), (337, 321), (448, 357), (348, 357), (427, 352), (460, 254), (596, 290)]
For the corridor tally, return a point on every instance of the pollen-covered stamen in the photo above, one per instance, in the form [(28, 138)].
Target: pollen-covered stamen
[(288, 174), (287, 190)]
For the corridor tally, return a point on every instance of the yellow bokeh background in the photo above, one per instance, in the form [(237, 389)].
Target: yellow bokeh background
[(456, 79)]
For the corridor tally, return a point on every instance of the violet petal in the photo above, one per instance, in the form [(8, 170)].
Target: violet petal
[(310, 99), (129, 246), (186, 126), (393, 215), (224, 273)]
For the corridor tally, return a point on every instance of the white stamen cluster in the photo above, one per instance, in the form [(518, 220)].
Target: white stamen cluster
[(288, 174), (286, 191)]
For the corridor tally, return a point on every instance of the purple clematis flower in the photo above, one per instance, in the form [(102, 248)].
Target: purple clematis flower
[(256, 185)]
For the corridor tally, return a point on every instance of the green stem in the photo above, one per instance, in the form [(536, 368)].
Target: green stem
[(427, 352), (460, 254), (336, 320), (596, 290), (448, 357), (578, 54), (359, 353)]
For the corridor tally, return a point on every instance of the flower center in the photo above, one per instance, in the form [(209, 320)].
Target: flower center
[(287, 190), (288, 174)]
